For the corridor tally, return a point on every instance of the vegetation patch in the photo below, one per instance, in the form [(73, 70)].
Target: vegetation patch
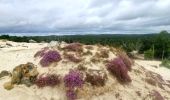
[(119, 69), (48, 80), (73, 80), (41, 52), (96, 78), (74, 47), (72, 58), (166, 63), (127, 61), (156, 95), (50, 57)]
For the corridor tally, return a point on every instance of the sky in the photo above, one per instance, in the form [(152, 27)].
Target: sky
[(84, 16)]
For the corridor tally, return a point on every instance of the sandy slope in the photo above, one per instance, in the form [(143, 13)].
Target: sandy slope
[(138, 89)]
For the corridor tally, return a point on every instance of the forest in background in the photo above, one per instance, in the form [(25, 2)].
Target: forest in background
[(153, 46)]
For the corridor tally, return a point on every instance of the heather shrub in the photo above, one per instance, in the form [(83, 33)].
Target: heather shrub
[(48, 80), (40, 53), (71, 94), (72, 58), (74, 47), (50, 57), (127, 61), (156, 95), (96, 79), (119, 69), (73, 79)]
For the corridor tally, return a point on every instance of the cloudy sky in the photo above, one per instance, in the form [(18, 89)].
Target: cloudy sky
[(84, 16)]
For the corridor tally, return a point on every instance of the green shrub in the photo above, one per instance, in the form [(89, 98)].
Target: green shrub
[(149, 54), (166, 63)]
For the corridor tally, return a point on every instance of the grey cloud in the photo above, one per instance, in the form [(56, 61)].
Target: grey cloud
[(112, 16)]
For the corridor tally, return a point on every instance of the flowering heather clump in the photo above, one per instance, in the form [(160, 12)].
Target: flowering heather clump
[(127, 61), (73, 79), (156, 95), (71, 94), (50, 57), (49, 80), (119, 69), (74, 47), (72, 58)]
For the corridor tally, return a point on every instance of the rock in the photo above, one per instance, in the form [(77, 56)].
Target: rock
[(8, 86), (16, 75), (54, 43), (42, 42), (2, 46), (135, 55), (26, 81), (32, 41), (4, 73), (9, 44), (23, 74)]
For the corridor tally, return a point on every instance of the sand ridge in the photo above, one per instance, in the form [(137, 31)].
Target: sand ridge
[(138, 89)]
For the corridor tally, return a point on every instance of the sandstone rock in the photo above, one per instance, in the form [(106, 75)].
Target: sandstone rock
[(32, 41), (22, 74), (8, 86)]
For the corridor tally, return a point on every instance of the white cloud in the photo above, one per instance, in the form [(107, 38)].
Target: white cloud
[(84, 15)]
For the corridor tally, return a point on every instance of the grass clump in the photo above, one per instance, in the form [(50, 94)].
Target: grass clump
[(72, 58), (96, 79)]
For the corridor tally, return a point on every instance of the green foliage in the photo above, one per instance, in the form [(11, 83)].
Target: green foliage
[(149, 54), (166, 63), (162, 45), (129, 42)]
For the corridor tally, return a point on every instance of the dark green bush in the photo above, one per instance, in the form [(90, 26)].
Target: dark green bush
[(149, 54), (166, 63)]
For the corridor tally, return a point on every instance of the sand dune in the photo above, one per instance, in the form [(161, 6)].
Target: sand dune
[(141, 88)]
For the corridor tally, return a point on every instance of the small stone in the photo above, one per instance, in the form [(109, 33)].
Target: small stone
[(32, 41), (8, 86)]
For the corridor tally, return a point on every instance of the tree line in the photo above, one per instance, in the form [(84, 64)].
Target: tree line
[(153, 45)]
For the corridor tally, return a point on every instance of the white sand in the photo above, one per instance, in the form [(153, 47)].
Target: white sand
[(22, 53), (154, 66)]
